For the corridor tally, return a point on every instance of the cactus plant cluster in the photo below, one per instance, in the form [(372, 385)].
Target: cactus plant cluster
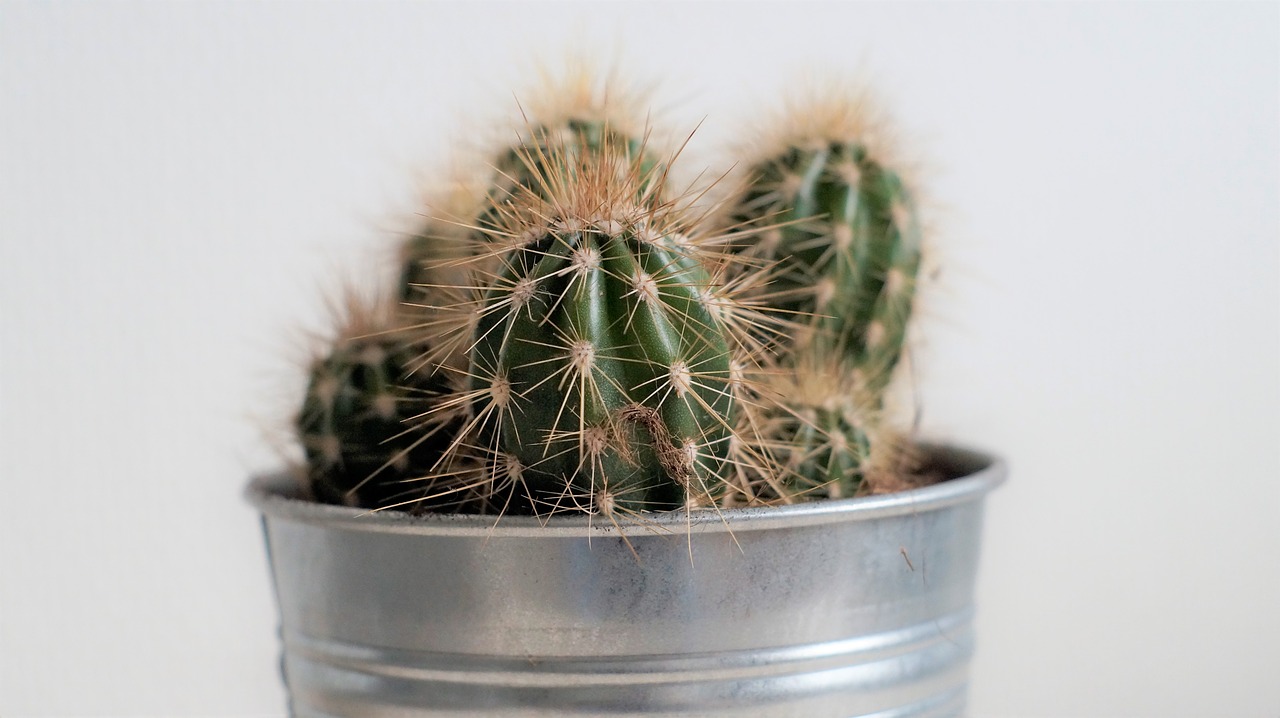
[(581, 339)]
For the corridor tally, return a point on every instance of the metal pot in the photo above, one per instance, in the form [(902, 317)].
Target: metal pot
[(856, 607)]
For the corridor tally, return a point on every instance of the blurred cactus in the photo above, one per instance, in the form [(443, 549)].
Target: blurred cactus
[(842, 225), (354, 424), (823, 429)]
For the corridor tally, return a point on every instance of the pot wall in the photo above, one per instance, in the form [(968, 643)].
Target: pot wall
[(858, 607)]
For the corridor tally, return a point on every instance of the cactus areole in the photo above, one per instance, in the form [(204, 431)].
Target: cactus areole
[(607, 368)]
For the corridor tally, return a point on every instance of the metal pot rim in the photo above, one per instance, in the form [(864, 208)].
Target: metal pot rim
[(976, 474)]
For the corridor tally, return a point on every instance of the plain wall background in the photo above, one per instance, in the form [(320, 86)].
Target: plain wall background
[(179, 181)]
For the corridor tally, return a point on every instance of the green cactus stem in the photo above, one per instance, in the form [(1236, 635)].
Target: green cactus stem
[(601, 363), (357, 423), (518, 170), (826, 431), (524, 167), (431, 260), (843, 227)]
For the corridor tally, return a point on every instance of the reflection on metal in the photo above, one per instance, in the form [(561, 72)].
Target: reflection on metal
[(859, 607)]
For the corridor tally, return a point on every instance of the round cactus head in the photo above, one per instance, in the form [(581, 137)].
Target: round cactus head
[(569, 113), (601, 357), (573, 114)]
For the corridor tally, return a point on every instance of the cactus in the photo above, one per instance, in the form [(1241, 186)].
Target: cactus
[(430, 259), (839, 226), (525, 165), (826, 429), (469, 212), (574, 115), (601, 362), (356, 420), (843, 226)]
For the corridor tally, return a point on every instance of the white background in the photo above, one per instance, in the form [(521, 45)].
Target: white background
[(178, 182)]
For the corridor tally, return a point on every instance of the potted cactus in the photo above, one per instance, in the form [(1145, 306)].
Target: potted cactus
[(604, 452)]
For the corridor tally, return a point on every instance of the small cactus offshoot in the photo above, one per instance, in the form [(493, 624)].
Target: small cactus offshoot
[(353, 421), (824, 428)]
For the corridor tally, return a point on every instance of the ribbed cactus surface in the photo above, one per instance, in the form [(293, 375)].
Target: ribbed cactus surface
[(844, 230), (823, 437), (568, 340), (600, 364), (526, 164), (431, 259), (607, 369), (356, 420)]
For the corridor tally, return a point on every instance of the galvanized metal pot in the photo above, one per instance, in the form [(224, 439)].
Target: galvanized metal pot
[(858, 607)]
